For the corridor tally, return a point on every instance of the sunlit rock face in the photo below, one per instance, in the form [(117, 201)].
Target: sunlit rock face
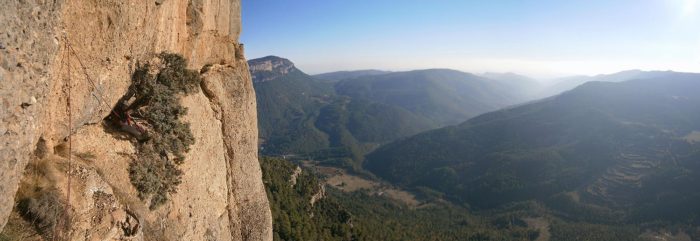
[(269, 68), (93, 47)]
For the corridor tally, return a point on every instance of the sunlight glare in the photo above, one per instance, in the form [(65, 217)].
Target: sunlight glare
[(689, 7)]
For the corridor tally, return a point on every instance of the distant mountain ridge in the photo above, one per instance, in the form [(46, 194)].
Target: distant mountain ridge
[(528, 88), (303, 116), (442, 95), (338, 119), (342, 75), (617, 145), (568, 83)]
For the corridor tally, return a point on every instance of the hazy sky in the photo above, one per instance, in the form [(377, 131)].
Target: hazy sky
[(541, 38)]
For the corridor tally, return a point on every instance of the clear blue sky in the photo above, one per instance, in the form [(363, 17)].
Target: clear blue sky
[(545, 38)]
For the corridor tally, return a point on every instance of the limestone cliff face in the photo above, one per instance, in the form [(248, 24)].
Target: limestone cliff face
[(94, 46), (269, 68)]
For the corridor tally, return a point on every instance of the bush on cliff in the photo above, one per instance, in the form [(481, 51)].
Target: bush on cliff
[(164, 137)]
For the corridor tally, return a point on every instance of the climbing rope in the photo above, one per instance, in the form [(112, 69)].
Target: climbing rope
[(65, 63), (100, 98), (66, 66), (70, 140)]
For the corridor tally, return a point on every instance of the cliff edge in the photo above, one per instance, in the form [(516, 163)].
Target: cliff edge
[(90, 49)]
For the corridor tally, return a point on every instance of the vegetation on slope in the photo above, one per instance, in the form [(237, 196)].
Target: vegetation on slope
[(361, 216), (339, 121), (595, 141), (287, 108), (304, 117), (443, 96), (295, 218)]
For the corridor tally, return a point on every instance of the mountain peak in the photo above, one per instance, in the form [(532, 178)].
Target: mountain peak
[(268, 68)]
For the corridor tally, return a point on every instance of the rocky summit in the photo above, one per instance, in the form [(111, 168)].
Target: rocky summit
[(269, 68)]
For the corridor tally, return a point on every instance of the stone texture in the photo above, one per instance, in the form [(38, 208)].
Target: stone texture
[(269, 68), (26, 55), (222, 196), (233, 99)]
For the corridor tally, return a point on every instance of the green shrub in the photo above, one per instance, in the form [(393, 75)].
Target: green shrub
[(154, 176), (156, 99)]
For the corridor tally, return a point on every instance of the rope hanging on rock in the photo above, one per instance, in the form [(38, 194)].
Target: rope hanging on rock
[(58, 233), (66, 66)]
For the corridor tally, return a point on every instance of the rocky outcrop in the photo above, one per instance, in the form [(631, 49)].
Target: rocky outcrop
[(295, 175), (269, 68), (318, 195), (93, 47)]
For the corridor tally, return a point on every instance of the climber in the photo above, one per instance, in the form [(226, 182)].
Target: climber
[(129, 125), (122, 117)]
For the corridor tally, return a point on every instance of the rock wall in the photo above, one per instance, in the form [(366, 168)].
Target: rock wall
[(269, 68), (94, 46)]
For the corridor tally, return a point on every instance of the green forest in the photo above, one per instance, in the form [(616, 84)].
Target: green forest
[(360, 215), (607, 160)]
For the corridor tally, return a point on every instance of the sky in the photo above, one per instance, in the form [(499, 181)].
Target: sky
[(544, 38)]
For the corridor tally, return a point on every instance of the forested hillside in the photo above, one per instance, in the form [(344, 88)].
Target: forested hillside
[(302, 117), (339, 117), (361, 216), (443, 96), (609, 152)]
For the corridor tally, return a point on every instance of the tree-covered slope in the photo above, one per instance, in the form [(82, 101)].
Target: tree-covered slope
[(355, 126), (295, 217), (302, 115), (440, 95), (340, 121), (622, 145), (362, 216), (287, 105)]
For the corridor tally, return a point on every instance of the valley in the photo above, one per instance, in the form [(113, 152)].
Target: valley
[(597, 158), (378, 120), (342, 180), (339, 117)]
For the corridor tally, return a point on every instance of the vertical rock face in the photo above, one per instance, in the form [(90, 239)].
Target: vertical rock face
[(93, 47)]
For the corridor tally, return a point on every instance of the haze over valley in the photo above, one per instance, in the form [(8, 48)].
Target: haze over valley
[(564, 158)]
